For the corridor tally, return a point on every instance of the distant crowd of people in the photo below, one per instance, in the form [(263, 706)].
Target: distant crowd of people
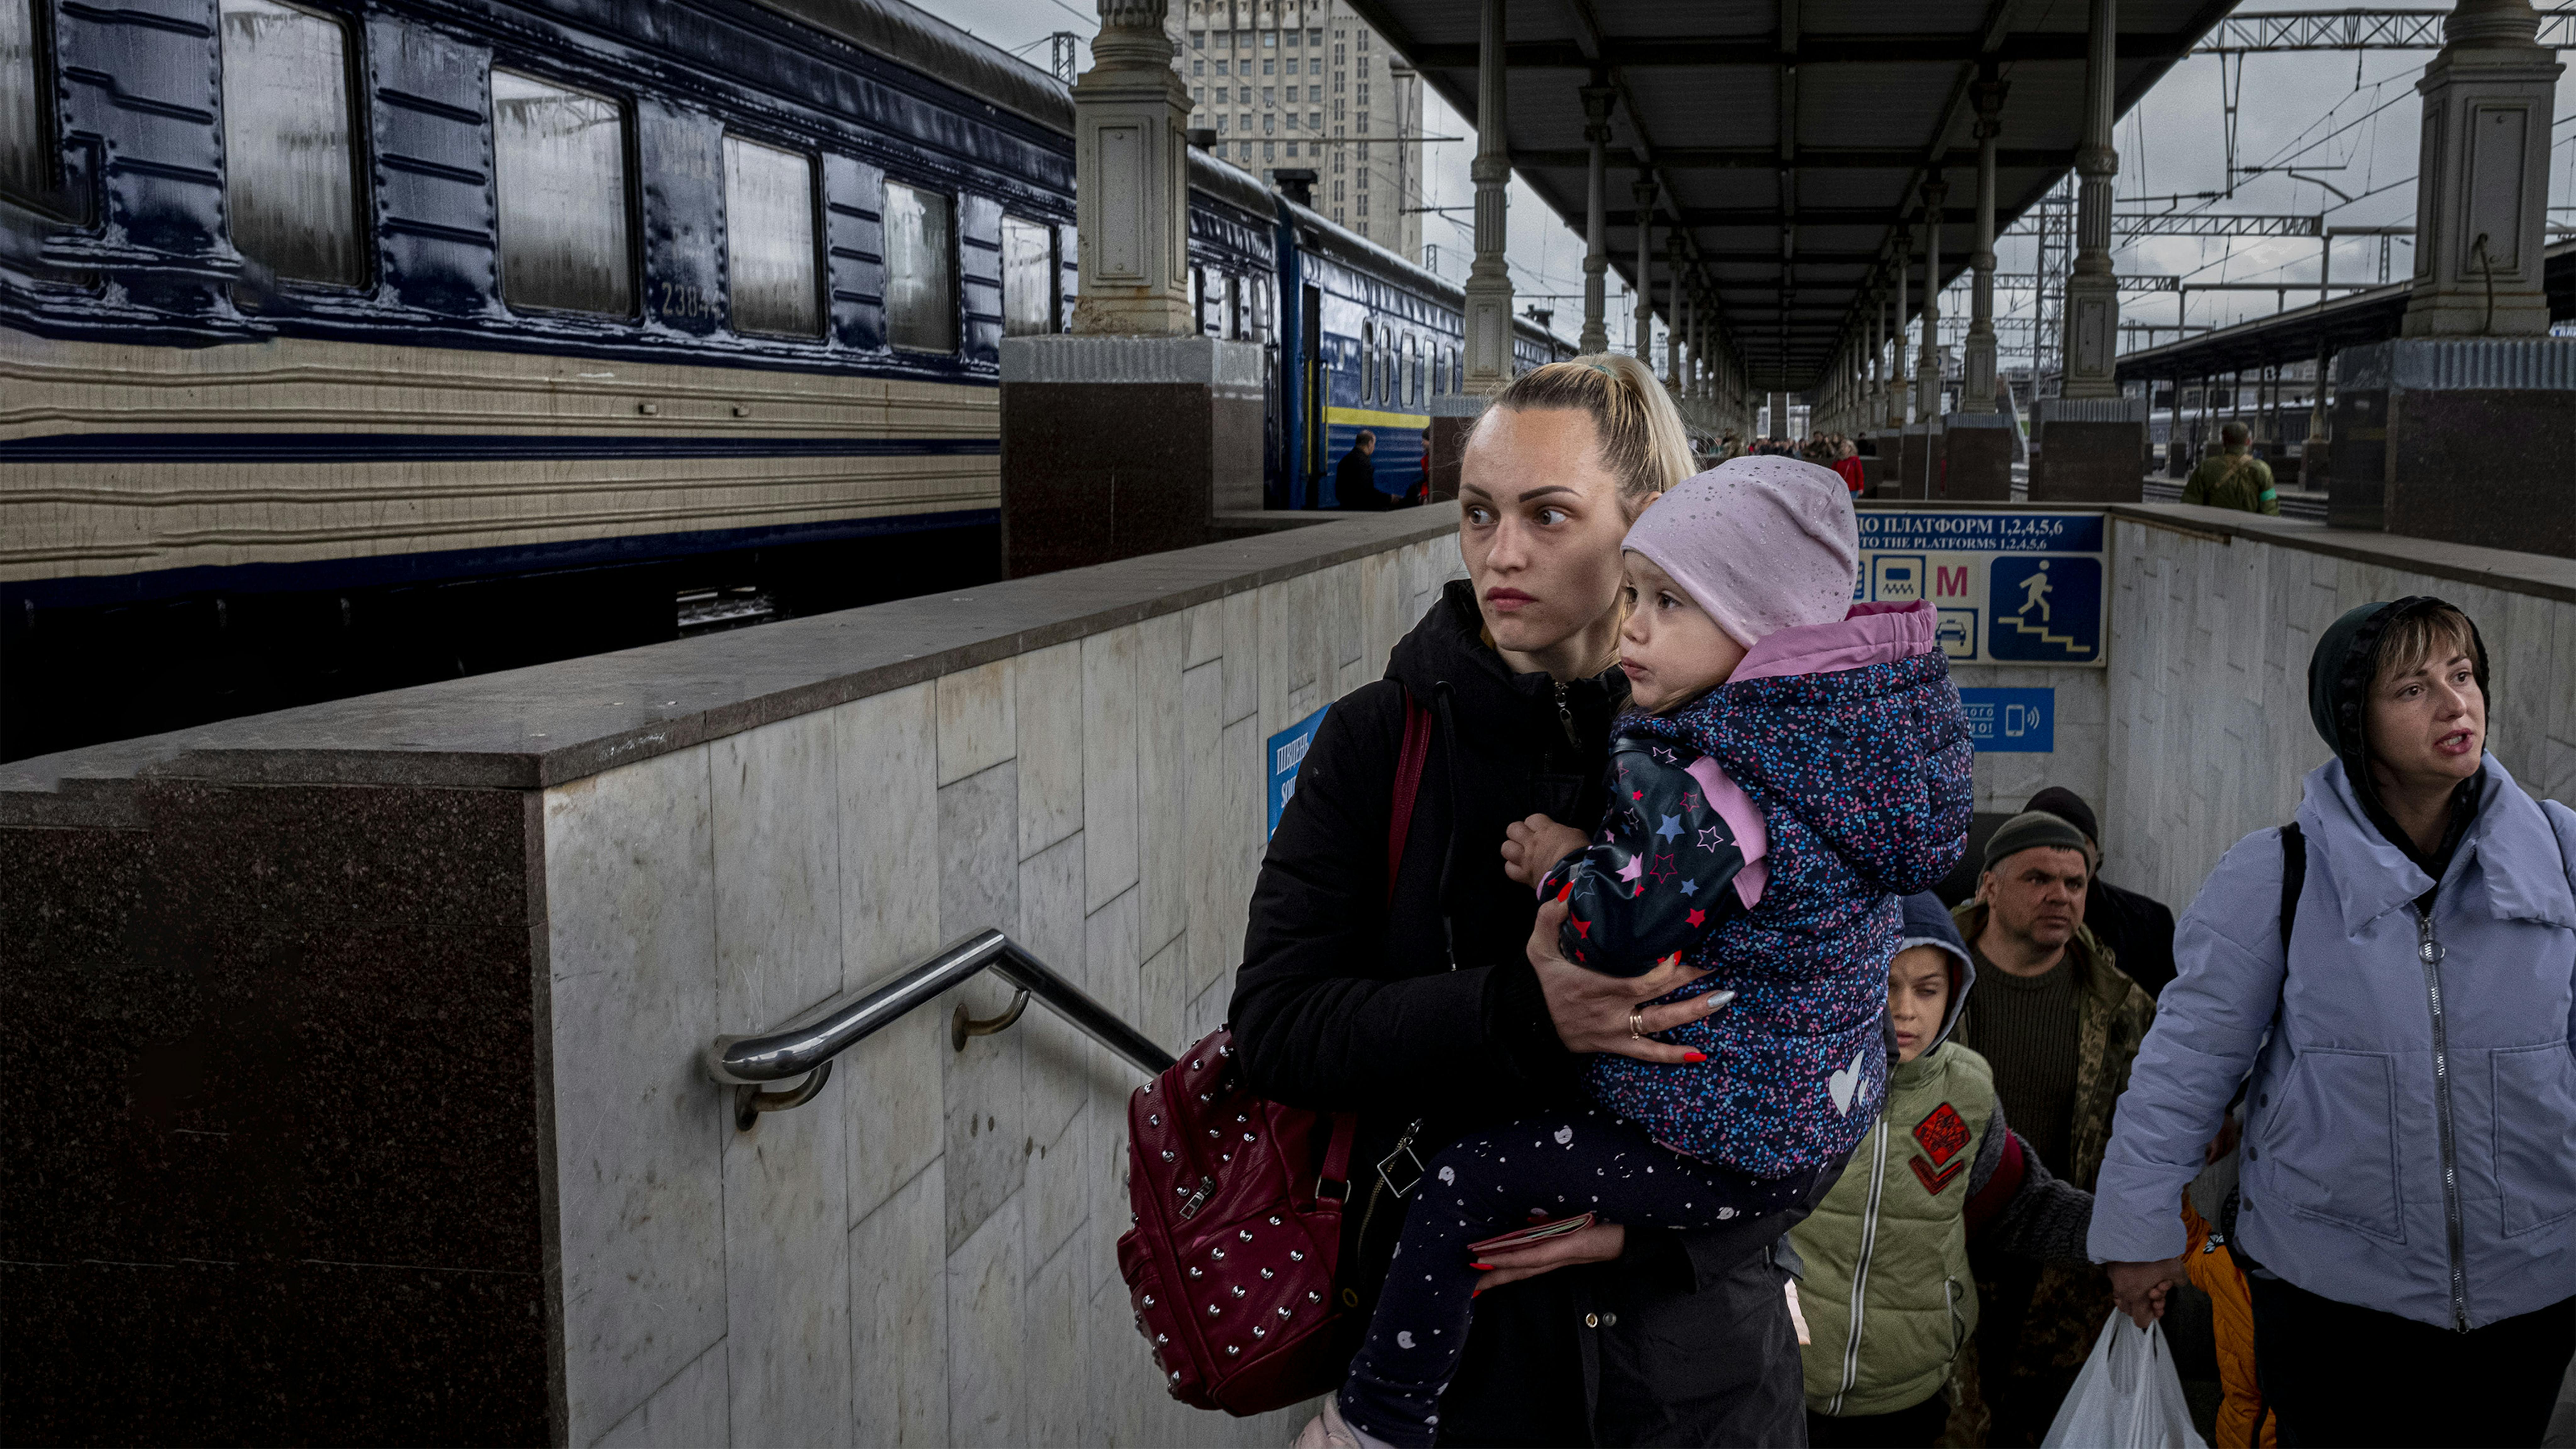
[(1825, 450)]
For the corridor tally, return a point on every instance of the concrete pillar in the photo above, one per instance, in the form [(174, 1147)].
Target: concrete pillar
[(1927, 366), (1597, 101), (2092, 439), (1674, 321), (1489, 280), (1131, 160), (1978, 392), (1645, 194), (1076, 488), (2092, 297), (1876, 395), (2464, 428), (2482, 192), (1898, 386), (2316, 463), (1701, 326)]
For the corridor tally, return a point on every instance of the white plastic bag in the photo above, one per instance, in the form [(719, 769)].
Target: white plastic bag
[(2128, 1396)]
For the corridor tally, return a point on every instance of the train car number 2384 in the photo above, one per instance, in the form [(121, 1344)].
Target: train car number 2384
[(678, 299)]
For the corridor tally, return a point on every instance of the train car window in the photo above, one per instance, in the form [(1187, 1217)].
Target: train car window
[(1233, 308), (560, 171), (26, 152), (1028, 277), (289, 182), (769, 239), (921, 269), (1368, 361)]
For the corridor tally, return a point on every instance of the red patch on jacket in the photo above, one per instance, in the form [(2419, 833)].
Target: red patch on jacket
[(1933, 1182), (1942, 1134)]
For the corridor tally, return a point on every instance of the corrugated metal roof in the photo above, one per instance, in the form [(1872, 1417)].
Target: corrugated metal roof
[(1881, 100)]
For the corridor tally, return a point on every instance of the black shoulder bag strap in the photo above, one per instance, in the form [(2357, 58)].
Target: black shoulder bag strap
[(2294, 878)]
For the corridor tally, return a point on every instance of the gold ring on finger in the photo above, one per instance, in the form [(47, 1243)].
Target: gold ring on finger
[(1637, 1020)]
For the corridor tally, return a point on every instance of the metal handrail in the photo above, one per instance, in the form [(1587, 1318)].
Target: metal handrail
[(807, 1043)]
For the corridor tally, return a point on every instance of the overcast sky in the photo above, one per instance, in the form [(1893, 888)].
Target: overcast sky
[(2356, 124)]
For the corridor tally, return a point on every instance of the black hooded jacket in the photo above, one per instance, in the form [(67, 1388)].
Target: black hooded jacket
[(1427, 1009)]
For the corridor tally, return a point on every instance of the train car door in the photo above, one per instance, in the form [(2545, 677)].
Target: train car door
[(1310, 349)]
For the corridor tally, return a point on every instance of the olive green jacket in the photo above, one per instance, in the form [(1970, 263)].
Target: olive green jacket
[(1889, 1296), (2234, 479), (2068, 1304)]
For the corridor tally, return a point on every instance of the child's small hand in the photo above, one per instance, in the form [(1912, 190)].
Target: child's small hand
[(1532, 847)]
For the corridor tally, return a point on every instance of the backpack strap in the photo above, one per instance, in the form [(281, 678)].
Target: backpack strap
[(2294, 879), (1408, 785), (1333, 1179)]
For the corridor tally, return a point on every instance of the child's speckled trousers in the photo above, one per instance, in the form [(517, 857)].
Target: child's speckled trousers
[(1489, 1184)]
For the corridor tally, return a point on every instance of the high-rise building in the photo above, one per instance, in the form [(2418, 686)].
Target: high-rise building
[(1306, 83)]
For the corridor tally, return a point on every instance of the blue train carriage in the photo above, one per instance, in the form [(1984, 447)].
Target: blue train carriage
[(1234, 286), (1374, 339), (1535, 346), (353, 343)]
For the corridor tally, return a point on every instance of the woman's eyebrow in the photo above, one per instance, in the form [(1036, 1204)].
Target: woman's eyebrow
[(1544, 490)]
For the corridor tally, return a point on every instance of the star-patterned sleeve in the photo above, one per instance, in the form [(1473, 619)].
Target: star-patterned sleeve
[(1661, 873)]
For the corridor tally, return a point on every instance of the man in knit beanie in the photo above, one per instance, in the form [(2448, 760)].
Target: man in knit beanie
[(2060, 1024), (2138, 930)]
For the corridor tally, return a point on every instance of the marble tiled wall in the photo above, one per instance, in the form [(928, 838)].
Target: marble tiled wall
[(2209, 735), (924, 1254)]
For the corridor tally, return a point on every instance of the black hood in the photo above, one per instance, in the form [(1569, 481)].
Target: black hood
[(1510, 744), (1447, 653), (2339, 675)]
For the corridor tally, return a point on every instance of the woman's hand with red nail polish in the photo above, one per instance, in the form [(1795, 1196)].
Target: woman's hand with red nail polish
[(1599, 1243)]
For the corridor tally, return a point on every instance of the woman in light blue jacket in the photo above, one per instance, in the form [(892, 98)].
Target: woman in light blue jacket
[(2407, 1205)]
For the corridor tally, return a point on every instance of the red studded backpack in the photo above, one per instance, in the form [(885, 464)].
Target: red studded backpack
[(1238, 1207)]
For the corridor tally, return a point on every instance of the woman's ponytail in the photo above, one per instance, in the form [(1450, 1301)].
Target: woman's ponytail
[(1643, 443)]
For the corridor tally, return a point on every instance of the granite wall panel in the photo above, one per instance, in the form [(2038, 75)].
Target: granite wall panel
[(639, 1138)]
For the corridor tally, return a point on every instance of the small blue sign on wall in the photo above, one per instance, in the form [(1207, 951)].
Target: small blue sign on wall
[(1288, 751), (2011, 721)]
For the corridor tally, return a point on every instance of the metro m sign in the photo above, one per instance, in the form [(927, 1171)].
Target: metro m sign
[(1948, 582)]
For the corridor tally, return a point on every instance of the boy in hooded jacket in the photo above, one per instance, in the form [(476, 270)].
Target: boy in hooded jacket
[(1801, 763), (1889, 1296)]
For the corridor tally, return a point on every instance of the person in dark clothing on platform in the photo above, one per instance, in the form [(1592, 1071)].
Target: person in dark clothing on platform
[(1427, 1006), (1355, 478), (2137, 930), (2060, 1023)]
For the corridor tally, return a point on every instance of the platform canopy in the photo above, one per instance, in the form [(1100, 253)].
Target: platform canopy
[(1789, 140)]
